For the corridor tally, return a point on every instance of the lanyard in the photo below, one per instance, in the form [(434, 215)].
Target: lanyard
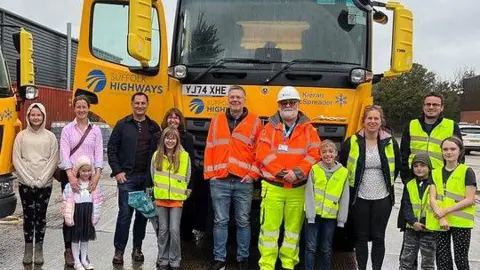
[(286, 133)]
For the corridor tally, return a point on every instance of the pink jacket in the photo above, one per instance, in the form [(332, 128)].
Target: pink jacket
[(70, 198)]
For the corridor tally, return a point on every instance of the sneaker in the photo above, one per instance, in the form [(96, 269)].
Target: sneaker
[(217, 265), (118, 257), (78, 267), (137, 254), (88, 266), (242, 264), (68, 257)]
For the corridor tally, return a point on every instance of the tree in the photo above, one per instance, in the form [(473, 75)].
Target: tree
[(205, 41), (401, 97)]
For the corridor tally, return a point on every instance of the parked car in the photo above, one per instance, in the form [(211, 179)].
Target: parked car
[(471, 137)]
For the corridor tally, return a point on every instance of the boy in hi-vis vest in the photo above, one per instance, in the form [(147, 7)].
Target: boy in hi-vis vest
[(415, 204), (326, 204)]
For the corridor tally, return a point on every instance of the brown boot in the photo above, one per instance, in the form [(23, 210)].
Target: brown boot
[(137, 254), (118, 257), (68, 257)]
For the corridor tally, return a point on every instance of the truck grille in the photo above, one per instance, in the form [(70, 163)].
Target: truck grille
[(199, 129)]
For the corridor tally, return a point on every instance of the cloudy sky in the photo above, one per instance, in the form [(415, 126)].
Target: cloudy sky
[(446, 39)]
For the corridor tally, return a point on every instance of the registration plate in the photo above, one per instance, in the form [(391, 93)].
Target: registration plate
[(206, 90)]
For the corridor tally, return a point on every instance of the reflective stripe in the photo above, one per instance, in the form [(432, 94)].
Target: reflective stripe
[(454, 196), (291, 235), (218, 142), (299, 151), (256, 126), (267, 244), (416, 206), (315, 144), (439, 197), (244, 165), (352, 159), (216, 167), (214, 124), (241, 137), (310, 160), (327, 196), (327, 209), (267, 175), (268, 159), (391, 160), (463, 215), (425, 139), (171, 189), (288, 245), (171, 175), (270, 234)]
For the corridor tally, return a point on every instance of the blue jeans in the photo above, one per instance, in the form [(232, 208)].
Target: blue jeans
[(134, 182), (324, 229), (223, 192)]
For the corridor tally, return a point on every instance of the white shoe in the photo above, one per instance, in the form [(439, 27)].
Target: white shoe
[(79, 267), (88, 266)]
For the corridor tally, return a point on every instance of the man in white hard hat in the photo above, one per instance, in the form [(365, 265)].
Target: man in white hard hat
[(288, 148)]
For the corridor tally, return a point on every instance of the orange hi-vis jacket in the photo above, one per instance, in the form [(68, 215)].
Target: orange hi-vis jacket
[(277, 154), (233, 153)]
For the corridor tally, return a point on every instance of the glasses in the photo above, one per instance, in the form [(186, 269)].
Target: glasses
[(288, 102), (435, 105)]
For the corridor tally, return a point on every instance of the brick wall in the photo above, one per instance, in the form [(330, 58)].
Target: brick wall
[(470, 117)]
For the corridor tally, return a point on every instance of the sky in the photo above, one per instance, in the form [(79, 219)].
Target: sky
[(446, 32)]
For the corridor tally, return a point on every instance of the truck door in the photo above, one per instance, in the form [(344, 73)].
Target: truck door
[(108, 72)]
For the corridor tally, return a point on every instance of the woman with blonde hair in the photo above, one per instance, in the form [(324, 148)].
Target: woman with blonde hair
[(170, 169), (372, 157)]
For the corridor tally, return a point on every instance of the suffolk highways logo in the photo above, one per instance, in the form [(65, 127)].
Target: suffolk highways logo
[(96, 80), (196, 106)]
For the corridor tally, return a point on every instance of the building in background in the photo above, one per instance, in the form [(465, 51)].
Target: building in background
[(470, 100), (50, 57)]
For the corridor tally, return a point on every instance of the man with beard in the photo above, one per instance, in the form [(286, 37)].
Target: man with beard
[(288, 147), (425, 135), (230, 166)]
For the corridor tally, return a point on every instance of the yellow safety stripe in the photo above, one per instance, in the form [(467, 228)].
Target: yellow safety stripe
[(171, 175), (171, 189)]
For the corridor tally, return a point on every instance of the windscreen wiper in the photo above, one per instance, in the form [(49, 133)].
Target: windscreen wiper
[(232, 60), (305, 61)]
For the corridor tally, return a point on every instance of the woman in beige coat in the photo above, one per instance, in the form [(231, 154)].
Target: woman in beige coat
[(35, 157)]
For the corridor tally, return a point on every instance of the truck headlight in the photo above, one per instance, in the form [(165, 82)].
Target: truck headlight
[(178, 72), (360, 75), (6, 188)]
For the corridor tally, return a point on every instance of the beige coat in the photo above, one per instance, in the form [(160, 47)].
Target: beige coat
[(35, 153)]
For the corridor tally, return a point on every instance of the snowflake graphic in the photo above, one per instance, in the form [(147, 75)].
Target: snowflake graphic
[(341, 99)]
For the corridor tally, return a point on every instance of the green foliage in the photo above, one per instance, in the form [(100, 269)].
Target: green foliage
[(402, 97)]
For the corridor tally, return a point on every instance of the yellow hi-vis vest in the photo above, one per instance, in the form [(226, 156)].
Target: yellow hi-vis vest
[(419, 205), (355, 153), (450, 194), (170, 185), (328, 191), (420, 142)]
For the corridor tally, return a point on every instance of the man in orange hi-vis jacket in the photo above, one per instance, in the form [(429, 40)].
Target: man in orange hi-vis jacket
[(287, 149), (231, 167)]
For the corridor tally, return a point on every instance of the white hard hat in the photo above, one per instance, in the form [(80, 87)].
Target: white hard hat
[(288, 92)]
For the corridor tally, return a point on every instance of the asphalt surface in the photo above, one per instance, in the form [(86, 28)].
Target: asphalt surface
[(196, 254)]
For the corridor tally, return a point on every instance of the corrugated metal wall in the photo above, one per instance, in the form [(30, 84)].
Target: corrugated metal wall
[(50, 50), (57, 102)]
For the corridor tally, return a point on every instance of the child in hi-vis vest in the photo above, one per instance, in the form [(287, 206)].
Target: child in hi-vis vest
[(415, 204), (170, 170), (327, 198), (452, 197)]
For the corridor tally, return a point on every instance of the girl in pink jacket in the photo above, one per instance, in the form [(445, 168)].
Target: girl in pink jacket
[(81, 211)]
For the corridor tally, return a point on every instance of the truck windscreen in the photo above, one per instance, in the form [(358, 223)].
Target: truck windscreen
[(4, 81), (275, 30)]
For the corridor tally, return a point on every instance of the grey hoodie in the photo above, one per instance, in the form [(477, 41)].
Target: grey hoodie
[(310, 199), (35, 153)]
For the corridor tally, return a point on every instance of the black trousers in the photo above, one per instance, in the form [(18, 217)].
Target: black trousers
[(64, 182), (461, 245), (370, 220), (34, 204)]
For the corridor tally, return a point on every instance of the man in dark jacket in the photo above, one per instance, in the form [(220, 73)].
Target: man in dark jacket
[(130, 150)]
